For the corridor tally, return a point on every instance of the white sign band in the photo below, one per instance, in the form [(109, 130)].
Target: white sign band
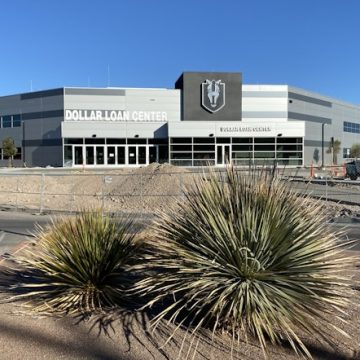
[(115, 115)]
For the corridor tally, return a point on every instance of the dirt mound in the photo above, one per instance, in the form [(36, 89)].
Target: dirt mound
[(148, 188), (141, 190)]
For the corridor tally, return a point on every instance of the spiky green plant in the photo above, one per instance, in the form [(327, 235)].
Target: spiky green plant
[(80, 264), (246, 255)]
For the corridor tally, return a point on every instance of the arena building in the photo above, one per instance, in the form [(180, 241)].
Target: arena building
[(208, 118)]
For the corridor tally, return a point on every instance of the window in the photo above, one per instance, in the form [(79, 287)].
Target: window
[(222, 140), (6, 121), (158, 141), (346, 153), (351, 127), (9, 121), (209, 140), (181, 148), (248, 147), (208, 147), (16, 120), (74, 141), (68, 158), (116, 141), (17, 156), (270, 147), (181, 140), (264, 140), (286, 140), (94, 141), (242, 140)]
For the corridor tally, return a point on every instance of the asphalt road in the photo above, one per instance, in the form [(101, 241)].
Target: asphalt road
[(19, 227), (334, 190)]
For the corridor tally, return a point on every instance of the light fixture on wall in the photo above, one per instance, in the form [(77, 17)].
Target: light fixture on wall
[(279, 135), (211, 135), (136, 135), (93, 135)]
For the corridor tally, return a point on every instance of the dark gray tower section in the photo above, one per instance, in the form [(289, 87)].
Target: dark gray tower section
[(210, 96)]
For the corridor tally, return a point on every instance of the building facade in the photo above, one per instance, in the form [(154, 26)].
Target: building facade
[(207, 119)]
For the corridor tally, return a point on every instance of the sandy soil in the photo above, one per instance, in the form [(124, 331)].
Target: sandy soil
[(142, 189), (128, 336)]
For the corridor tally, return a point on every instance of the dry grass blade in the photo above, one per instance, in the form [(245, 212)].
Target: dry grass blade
[(247, 253), (79, 265)]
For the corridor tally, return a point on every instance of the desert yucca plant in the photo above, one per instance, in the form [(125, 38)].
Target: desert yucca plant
[(246, 255), (80, 264)]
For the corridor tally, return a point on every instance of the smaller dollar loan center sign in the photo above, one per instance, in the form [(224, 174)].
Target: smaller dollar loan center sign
[(115, 115)]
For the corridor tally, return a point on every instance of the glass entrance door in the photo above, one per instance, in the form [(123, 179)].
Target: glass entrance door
[(153, 154), (78, 155), (100, 155), (121, 155), (223, 154), (132, 155), (111, 157), (137, 155), (89, 155), (94, 155), (142, 158)]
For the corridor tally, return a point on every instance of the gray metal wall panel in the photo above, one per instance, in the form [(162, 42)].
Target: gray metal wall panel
[(42, 94), (44, 156), (42, 114), (49, 128), (14, 133), (309, 99), (316, 143), (84, 91), (265, 94), (264, 114), (311, 118), (11, 105)]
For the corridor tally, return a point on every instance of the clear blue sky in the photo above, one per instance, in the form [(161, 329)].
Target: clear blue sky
[(312, 44)]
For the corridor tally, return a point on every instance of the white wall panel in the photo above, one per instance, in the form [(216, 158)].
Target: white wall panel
[(113, 130), (234, 128), (158, 100)]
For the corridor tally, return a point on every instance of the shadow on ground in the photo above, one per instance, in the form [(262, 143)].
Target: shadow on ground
[(122, 333)]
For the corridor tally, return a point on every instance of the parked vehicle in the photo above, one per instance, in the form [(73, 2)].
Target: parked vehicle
[(353, 169)]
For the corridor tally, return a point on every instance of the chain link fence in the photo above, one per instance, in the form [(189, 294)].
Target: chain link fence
[(139, 192)]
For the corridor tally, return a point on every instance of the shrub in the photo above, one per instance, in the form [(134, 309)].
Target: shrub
[(9, 149), (245, 254), (355, 151), (80, 264)]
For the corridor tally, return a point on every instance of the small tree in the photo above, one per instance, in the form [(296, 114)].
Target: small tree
[(355, 151), (9, 149), (334, 149)]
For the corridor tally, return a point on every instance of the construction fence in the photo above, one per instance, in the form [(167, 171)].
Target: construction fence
[(139, 192)]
